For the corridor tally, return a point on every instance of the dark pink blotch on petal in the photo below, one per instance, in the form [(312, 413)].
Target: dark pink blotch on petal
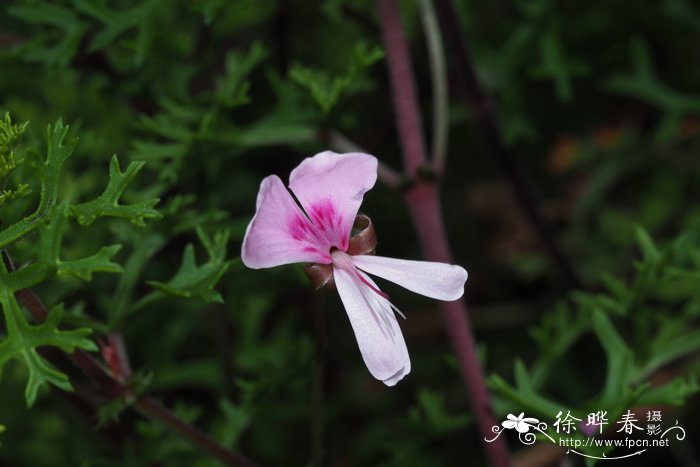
[(280, 233), (326, 218), (330, 188)]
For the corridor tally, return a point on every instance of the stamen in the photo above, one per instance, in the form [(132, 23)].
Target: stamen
[(397, 310), (373, 288)]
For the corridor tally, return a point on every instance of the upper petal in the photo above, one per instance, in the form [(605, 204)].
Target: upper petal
[(376, 330), (280, 233), (330, 188), (435, 280)]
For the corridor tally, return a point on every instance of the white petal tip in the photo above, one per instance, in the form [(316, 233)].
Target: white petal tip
[(397, 377)]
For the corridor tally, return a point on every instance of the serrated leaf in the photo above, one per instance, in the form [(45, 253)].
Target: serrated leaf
[(116, 23), (232, 88), (619, 359), (107, 204), (23, 340), (84, 267), (11, 194), (523, 395), (46, 48), (193, 281), (50, 262), (58, 151), (675, 392), (437, 416), (556, 65), (643, 84), (326, 90), (10, 133)]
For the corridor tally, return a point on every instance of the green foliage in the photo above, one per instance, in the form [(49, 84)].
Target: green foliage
[(192, 281), (10, 135), (327, 91), (654, 339), (23, 340), (107, 204), (201, 100), (435, 415)]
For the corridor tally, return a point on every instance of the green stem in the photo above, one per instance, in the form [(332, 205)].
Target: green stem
[(438, 74), (317, 422)]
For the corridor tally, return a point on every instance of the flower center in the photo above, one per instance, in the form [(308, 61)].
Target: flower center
[(342, 260)]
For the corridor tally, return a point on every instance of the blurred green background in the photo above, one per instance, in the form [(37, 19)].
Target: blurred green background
[(599, 102)]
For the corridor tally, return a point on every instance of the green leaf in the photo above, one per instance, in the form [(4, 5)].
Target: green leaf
[(11, 194), (232, 88), (523, 395), (84, 267), (9, 137), (194, 281), (45, 47), (50, 263), (438, 417), (58, 151), (236, 419), (23, 340), (324, 90), (327, 91), (675, 392), (643, 84), (107, 204), (116, 23), (647, 246), (619, 359), (558, 66)]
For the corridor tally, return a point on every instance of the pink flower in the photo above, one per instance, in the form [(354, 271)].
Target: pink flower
[(329, 188)]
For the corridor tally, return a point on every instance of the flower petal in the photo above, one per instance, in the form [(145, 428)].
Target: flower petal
[(330, 188), (376, 329), (280, 233), (435, 280)]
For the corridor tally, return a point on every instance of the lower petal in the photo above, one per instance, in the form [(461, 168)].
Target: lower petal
[(435, 280), (377, 332)]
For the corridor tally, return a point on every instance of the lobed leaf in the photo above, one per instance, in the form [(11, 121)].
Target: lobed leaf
[(58, 151), (107, 204), (23, 340), (193, 281), (619, 359)]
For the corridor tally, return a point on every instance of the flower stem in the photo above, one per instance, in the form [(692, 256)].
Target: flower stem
[(155, 411), (317, 419), (424, 207), (479, 100), (408, 121), (423, 203), (438, 75), (112, 388)]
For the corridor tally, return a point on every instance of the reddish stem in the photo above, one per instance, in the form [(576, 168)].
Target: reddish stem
[(407, 119), (111, 387), (423, 204)]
